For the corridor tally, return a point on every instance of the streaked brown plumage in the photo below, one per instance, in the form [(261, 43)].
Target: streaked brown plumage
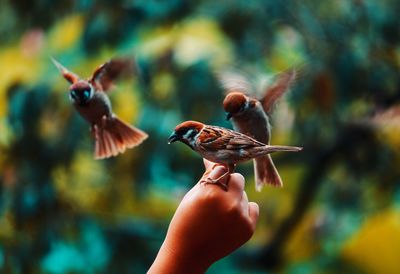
[(112, 136), (222, 145)]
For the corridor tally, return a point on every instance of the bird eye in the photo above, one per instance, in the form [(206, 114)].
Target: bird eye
[(86, 94)]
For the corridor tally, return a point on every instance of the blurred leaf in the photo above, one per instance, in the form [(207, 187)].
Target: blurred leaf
[(16, 68), (375, 247), (66, 33)]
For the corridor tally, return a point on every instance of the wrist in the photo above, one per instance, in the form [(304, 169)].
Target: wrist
[(171, 260)]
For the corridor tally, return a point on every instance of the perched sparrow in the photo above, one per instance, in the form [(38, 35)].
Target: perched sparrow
[(221, 145), (89, 97), (251, 117)]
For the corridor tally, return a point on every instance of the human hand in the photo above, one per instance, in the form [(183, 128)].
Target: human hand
[(209, 224)]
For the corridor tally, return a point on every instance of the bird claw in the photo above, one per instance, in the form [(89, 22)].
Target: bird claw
[(215, 182)]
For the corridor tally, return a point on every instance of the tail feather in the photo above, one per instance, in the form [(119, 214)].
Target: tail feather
[(115, 137), (266, 173), (105, 146), (284, 148), (264, 169)]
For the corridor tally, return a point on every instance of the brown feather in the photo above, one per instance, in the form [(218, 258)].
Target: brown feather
[(115, 136), (214, 138), (277, 89), (104, 76), (234, 82), (68, 75)]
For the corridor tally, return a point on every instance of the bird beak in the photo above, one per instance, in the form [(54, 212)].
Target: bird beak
[(173, 138), (228, 116)]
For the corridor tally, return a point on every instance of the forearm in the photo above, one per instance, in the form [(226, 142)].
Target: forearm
[(169, 261)]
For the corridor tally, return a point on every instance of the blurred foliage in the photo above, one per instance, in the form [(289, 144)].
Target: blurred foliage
[(63, 212)]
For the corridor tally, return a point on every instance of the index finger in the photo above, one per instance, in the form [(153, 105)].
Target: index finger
[(208, 164)]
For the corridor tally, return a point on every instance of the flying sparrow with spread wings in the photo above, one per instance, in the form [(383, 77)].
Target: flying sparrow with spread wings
[(251, 116), (90, 99), (223, 146)]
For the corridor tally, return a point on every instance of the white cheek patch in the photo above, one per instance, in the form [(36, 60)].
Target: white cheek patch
[(190, 138), (187, 134), (193, 141)]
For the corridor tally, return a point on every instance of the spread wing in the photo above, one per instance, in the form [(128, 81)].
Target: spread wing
[(234, 81), (68, 75), (275, 91), (254, 85), (217, 138), (107, 73)]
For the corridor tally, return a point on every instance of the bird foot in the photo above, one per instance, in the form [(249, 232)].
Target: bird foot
[(215, 182)]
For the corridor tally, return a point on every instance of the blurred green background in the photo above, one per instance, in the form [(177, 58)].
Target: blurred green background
[(63, 212)]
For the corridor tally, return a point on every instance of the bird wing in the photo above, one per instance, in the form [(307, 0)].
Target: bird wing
[(234, 81), (104, 76), (275, 91), (217, 138), (255, 84), (68, 75)]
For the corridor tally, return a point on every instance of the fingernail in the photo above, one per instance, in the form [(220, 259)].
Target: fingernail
[(215, 165)]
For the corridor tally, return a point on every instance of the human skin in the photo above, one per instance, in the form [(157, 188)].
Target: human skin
[(209, 224)]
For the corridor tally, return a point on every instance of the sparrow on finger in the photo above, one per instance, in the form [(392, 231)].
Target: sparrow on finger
[(223, 146)]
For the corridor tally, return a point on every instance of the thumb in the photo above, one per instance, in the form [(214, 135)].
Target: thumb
[(253, 214), (209, 166)]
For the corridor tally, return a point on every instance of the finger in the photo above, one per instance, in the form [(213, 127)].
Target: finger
[(211, 171), (208, 164), (253, 214), (236, 185), (216, 173), (208, 168), (244, 203)]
